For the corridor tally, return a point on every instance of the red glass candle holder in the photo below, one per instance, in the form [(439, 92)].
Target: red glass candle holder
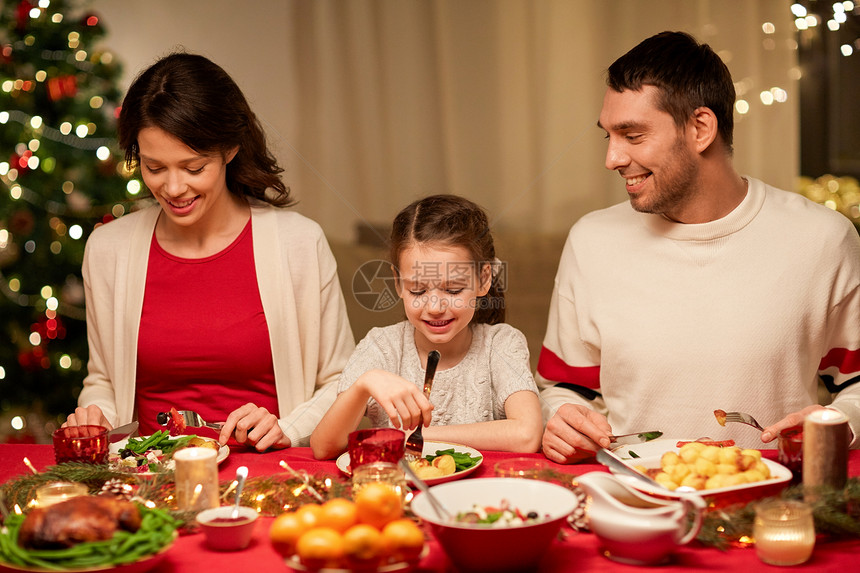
[(375, 445), (88, 444), (790, 451)]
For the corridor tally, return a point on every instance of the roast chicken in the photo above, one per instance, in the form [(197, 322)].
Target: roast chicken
[(79, 519)]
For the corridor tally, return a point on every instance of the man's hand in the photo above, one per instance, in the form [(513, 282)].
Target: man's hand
[(574, 433), (794, 419), (91, 415)]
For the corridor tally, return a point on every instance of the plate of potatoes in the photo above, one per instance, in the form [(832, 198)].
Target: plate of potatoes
[(720, 473)]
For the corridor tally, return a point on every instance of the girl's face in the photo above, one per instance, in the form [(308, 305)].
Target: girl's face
[(439, 286), (190, 187)]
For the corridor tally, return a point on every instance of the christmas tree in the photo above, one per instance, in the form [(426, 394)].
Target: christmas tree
[(61, 175)]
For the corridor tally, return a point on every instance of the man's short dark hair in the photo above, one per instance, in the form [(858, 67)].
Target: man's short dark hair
[(687, 74)]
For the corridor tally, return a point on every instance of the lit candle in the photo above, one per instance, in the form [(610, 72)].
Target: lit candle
[(384, 472), (58, 491), (196, 476), (784, 532)]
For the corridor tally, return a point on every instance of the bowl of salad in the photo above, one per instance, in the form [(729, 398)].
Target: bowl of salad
[(496, 524)]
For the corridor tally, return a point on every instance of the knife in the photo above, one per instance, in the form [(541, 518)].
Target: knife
[(635, 437), (122, 432), (609, 459)]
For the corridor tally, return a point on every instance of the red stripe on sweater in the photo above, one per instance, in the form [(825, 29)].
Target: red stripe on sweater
[(846, 360), (551, 367)]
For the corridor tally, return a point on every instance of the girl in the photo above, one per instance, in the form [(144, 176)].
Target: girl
[(483, 394), (216, 299)]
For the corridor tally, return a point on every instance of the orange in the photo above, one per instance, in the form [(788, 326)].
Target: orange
[(285, 532), (377, 504), (339, 513), (403, 539), (320, 547), (309, 514), (362, 546)]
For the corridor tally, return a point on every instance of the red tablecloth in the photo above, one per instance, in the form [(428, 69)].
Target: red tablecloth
[(578, 552)]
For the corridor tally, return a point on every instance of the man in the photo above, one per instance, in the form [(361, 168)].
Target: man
[(708, 290)]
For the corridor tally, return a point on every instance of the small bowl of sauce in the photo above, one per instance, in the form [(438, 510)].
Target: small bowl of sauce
[(223, 532)]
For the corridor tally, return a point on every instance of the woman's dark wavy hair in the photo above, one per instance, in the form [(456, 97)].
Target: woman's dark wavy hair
[(687, 74), (453, 221), (197, 102)]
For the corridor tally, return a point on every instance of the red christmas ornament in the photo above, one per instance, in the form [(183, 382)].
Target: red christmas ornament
[(32, 359), (22, 14), (20, 162), (22, 223), (62, 87)]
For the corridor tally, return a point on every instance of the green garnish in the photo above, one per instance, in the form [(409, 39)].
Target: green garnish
[(462, 461), (648, 436), (160, 440), (633, 454)]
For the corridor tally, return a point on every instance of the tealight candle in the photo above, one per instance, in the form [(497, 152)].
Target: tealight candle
[(385, 472), (784, 532), (58, 491), (196, 475)]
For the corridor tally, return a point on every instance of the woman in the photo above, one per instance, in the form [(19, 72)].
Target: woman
[(216, 299)]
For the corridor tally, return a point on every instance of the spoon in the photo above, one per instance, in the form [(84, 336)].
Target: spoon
[(434, 501), (241, 474)]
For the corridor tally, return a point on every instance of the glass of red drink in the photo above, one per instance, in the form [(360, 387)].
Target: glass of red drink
[(790, 451), (375, 445), (88, 444)]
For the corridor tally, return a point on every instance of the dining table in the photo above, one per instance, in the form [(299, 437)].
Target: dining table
[(571, 551)]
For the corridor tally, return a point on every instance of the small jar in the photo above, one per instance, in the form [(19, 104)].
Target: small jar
[(784, 532), (384, 472), (58, 491)]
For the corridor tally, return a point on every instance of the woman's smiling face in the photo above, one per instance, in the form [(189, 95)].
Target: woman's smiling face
[(189, 186), (439, 285)]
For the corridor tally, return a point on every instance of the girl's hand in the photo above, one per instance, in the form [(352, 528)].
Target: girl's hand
[(91, 415), (402, 400), (254, 426)]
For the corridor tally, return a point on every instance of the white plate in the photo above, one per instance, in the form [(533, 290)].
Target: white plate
[(223, 452), (430, 448), (651, 452)]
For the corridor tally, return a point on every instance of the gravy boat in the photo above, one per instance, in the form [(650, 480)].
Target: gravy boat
[(634, 527)]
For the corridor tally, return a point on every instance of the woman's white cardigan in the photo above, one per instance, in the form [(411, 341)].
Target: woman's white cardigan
[(305, 311)]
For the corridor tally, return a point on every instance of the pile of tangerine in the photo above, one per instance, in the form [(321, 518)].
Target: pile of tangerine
[(362, 534)]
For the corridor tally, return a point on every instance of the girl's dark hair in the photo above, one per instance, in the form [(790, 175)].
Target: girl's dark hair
[(197, 102), (687, 74), (454, 221)]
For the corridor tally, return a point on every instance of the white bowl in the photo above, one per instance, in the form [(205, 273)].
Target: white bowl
[(222, 532), (475, 547)]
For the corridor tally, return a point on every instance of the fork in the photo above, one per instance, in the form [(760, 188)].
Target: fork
[(192, 419), (415, 442), (740, 417)]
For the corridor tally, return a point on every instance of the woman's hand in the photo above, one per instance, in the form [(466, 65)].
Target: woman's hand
[(254, 426), (403, 402), (91, 415)]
